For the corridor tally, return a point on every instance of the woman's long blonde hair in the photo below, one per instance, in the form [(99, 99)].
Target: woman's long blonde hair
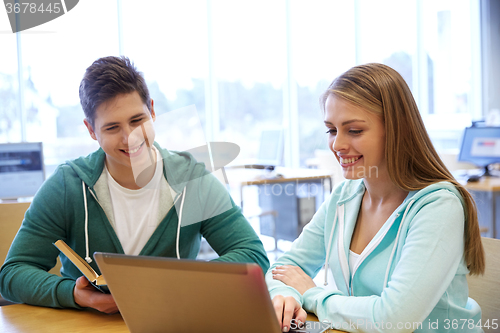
[(412, 161)]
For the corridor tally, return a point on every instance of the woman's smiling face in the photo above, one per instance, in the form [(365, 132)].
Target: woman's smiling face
[(356, 137)]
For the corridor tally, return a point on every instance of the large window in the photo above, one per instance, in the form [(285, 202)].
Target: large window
[(10, 115), (167, 41), (387, 33), (323, 47), (434, 45), (248, 52), (450, 71), (239, 67), (53, 59)]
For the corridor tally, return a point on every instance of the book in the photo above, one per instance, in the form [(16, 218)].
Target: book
[(95, 279)]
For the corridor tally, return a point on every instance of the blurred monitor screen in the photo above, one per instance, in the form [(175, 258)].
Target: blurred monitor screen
[(21, 169), (271, 147), (480, 146)]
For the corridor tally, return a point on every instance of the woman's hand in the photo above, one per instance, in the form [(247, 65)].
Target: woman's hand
[(288, 309), (294, 277), (87, 296)]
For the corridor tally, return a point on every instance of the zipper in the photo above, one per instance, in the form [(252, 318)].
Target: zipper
[(341, 250)]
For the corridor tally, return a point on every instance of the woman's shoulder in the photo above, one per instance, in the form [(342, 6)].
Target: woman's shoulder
[(437, 204), (436, 191)]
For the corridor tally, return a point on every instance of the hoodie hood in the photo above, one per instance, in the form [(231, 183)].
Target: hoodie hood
[(89, 168), (178, 167), (351, 194), (352, 189)]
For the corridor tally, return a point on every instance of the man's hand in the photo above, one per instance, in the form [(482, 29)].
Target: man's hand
[(87, 296), (287, 309), (294, 277)]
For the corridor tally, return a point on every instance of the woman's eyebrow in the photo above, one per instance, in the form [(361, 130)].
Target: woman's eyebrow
[(352, 121), (346, 122)]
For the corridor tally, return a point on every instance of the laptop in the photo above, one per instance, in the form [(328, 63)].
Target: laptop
[(270, 153), (156, 294)]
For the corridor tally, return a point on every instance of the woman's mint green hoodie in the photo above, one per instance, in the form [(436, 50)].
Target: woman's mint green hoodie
[(410, 277), (67, 207)]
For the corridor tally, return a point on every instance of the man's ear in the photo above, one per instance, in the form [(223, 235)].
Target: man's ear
[(90, 129), (153, 115)]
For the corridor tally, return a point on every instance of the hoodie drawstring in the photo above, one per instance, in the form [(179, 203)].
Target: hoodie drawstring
[(179, 225), (87, 252), (328, 248), (87, 255)]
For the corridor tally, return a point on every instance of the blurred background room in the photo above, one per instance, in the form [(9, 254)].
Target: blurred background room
[(244, 68)]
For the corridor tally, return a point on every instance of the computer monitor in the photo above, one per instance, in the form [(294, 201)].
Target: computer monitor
[(271, 147), (270, 153), (22, 170), (481, 146)]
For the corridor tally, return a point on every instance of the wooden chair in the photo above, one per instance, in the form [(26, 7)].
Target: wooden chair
[(11, 217), (486, 289)]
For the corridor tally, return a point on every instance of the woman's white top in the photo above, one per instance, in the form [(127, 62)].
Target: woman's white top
[(353, 260)]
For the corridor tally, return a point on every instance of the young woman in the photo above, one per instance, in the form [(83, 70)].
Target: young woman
[(399, 235)]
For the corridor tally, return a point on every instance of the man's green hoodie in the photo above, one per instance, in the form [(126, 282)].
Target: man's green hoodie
[(67, 207)]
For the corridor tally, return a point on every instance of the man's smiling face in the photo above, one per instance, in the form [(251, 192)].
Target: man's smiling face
[(117, 128)]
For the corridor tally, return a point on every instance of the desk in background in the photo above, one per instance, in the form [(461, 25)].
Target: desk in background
[(486, 194), (293, 195), (22, 318)]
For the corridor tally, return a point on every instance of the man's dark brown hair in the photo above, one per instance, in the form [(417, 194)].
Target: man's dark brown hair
[(107, 78)]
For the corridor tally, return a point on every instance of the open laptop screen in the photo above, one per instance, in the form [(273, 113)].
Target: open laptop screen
[(271, 147), (21, 169)]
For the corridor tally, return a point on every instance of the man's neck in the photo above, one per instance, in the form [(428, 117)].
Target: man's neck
[(125, 176)]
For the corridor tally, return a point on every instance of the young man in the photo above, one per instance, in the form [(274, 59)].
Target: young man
[(130, 196)]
